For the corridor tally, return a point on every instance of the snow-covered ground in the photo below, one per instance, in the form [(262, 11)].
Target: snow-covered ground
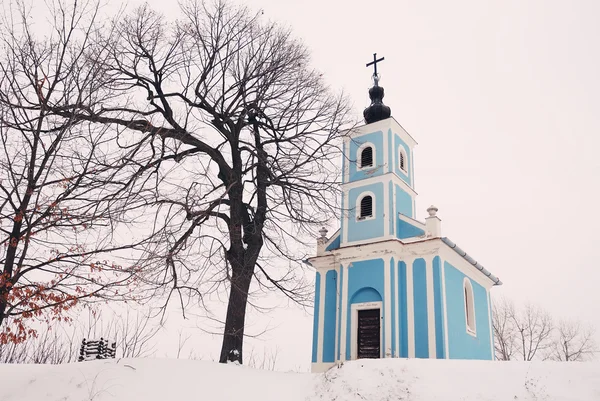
[(370, 380)]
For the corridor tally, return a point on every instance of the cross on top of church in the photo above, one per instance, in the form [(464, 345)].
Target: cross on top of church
[(374, 64)]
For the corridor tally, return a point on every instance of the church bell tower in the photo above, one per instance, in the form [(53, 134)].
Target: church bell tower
[(378, 173)]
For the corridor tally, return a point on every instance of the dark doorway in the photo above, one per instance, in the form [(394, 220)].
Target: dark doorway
[(369, 339)]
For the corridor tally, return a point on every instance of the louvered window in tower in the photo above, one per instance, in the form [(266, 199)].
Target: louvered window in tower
[(402, 161), (366, 207), (366, 157)]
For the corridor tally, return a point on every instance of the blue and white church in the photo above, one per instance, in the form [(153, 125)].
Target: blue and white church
[(388, 285)]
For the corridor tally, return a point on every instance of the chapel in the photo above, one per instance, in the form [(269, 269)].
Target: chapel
[(388, 285)]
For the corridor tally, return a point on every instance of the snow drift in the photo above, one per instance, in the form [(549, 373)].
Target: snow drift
[(371, 380)]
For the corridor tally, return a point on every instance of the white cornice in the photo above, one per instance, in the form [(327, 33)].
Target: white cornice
[(402, 250), (382, 126), (380, 178)]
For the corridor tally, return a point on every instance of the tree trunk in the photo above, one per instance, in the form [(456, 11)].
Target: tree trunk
[(233, 335)]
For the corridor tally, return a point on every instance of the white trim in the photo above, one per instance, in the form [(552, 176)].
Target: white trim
[(387, 296), (380, 179), (410, 308), (469, 294), (354, 326), (347, 163), (358, 209), (381, 126), (369, 241), (386, 149), (447, 350), (344, 305), (402, 151), (490, 324), (359, 151), (393, 166), (321, 328), (430, 307), (330, 240), (346, 217), (321, 367), (412, 170), (466, 268), (393, 209), (412, 221)]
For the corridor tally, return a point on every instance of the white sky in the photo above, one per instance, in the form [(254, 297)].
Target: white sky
[(502, 96)]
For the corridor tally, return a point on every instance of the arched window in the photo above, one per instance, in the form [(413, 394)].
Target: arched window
[(366, 207), (366, 157), (402, 160), (469, 306)]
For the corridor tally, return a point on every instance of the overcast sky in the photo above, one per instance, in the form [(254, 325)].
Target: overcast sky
[(502, 97)]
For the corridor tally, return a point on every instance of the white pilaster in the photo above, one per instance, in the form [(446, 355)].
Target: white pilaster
[(343, 337), (490, 323), (386, 149), (430, 307), (321, 329), (346, 211), (393, 209), (410, 308), (388, 308), (447, 350)]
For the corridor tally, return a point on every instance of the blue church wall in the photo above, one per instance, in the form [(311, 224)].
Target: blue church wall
[(407, 230), (370, 228), (421, 318), (375, 138), (365, 284), (339, 328), (335, 244), (462, 344), (397, 143), (439, 312), (403, 309), (316, 317), (404, 202), (329, 313)]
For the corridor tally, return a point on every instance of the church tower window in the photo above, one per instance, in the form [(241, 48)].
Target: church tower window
[(366, 207), (366, 157), (469, 306), (402, 160)]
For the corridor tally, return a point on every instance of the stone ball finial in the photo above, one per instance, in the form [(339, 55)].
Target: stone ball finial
[(323, 231), (432, 210)]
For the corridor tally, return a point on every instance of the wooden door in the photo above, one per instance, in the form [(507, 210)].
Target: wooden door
[(369, 338)]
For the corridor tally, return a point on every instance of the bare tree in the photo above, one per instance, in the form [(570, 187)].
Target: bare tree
[(573, 342), (252, 133), (64, 182), (534, 328), (504, 330), (133, 331), (60, 343), (267, 362), (521, 333)]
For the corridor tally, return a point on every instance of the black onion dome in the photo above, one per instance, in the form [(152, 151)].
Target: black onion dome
[(377, 111)]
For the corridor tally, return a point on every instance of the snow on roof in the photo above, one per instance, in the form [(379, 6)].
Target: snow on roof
[(371, 380)]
